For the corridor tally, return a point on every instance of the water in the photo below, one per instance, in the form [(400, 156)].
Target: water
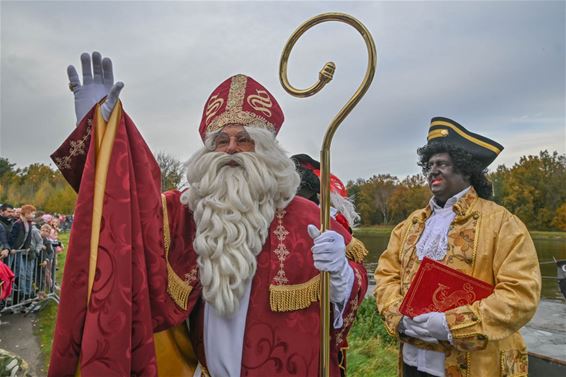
[(546, 249)]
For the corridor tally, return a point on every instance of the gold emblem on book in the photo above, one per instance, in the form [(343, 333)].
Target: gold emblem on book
[(441, 300)]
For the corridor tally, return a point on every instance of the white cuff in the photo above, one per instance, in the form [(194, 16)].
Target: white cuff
[(340, 294)]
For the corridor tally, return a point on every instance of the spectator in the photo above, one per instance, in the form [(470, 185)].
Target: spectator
[(6, 217), (4, 245), (21, 260), (54, 236), (45, 260)]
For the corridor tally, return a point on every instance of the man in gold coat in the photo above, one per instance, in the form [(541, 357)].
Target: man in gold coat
[(464, 230)]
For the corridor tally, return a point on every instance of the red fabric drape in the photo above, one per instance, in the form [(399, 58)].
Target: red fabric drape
[(114, 337)]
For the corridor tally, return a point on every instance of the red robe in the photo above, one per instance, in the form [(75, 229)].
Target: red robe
[(130, 299)]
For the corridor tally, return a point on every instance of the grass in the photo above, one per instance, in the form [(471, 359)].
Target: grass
[(45, 325), (372, 352)]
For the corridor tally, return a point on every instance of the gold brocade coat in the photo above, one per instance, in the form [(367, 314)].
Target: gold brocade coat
[(485, 241)]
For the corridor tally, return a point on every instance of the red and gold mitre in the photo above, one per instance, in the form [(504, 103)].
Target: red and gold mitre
[(240, 100)]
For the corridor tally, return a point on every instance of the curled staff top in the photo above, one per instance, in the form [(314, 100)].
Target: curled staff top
[(325, 75)]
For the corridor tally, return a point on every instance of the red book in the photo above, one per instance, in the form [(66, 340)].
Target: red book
[(438, 288)]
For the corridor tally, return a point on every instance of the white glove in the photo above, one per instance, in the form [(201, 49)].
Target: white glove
[(410, 328), (427, 325), (329, 254), (97, 84)]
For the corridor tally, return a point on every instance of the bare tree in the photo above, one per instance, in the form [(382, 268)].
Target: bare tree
[(171, 171)]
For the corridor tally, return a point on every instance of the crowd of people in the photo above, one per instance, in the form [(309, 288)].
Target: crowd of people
[(28, 246)]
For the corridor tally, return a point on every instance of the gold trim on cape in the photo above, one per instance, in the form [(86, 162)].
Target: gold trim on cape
[(177, 288)]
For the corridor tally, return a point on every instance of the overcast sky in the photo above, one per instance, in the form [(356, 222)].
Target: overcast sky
[(496, 67)]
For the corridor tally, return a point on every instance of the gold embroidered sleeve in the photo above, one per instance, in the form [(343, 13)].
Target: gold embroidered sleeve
[(177, 288), (388, 282), (356, 250), (516, 294)]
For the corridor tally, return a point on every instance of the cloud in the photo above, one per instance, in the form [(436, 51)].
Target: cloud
[(495, 67)]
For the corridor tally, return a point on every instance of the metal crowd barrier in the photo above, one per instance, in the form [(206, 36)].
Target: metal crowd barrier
[(34, 285)]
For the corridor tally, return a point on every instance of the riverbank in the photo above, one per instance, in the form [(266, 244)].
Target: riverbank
[(386, 229)]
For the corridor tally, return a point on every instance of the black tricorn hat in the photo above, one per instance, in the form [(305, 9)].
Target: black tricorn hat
[(450, 132)]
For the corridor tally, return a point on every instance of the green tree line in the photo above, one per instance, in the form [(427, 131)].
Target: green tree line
[(48, 191), (36, 184), (533, 188)]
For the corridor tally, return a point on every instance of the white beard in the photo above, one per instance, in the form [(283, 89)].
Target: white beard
[(233, 208)]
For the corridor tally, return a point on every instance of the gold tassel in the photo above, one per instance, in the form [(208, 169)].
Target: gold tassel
[(356, 250), (284, 298), (177, 288)]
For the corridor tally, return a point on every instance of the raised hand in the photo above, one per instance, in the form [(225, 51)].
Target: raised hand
[(98, 82)]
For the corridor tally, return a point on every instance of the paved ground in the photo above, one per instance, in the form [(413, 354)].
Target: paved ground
[(545, 334), (17, 337)]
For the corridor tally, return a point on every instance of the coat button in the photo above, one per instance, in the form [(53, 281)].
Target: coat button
[(476, 215), (415, 220)]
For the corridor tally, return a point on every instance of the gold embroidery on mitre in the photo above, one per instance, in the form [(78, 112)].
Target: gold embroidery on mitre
[(285, 298), (356, 250), (261, 101), (237, 92), (177, 288), (214, 104), (245, 118), (234, 113)]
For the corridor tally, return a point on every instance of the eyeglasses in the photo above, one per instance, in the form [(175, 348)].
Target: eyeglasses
[(243, 140)]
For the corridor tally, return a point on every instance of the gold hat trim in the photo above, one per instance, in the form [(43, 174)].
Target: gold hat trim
[(437, 133), (238, 116), (464, 135)]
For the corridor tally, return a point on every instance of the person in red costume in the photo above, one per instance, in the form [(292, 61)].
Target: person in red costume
[(342, 207), (237, 255)]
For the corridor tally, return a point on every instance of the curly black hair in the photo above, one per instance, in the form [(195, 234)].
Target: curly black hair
[(464, 163)]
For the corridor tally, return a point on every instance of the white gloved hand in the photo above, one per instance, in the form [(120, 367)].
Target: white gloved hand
[(329, 254), (428, 325), (97, 84), (435, 323), (415, 330)]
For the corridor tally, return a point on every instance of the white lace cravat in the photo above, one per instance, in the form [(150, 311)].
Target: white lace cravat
[(434, 240)]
